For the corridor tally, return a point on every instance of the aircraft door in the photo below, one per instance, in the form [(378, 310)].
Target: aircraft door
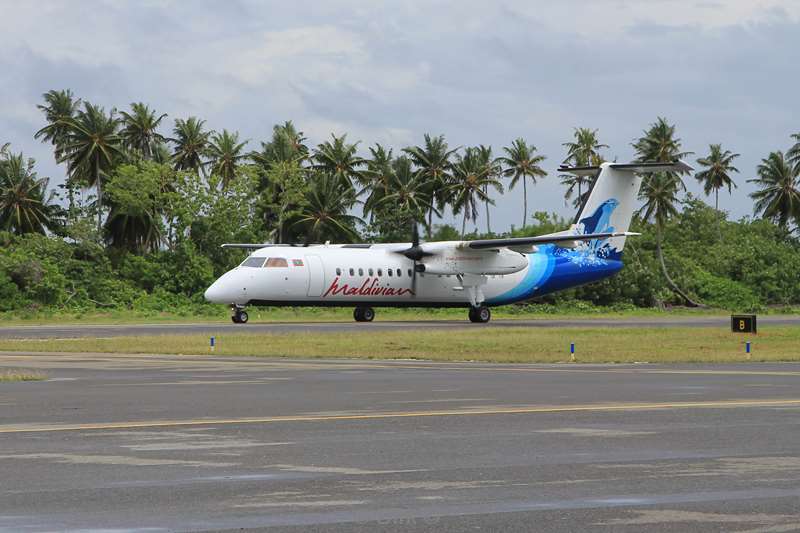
[(316, 275)]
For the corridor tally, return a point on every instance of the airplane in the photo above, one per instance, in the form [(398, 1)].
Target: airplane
[(476, 275)]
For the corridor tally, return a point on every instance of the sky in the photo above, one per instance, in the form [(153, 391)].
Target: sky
[(477, 72)]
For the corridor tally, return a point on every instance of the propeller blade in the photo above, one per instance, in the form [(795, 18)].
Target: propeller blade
[(415, 253)]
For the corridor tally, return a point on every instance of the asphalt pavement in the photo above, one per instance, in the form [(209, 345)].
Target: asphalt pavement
[(178, 443), (112, 330)]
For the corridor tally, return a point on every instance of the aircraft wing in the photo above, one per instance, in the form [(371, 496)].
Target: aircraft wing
[(554, 238)]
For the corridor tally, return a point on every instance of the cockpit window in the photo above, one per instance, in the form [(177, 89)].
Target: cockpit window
[(276, 262), (254, 262)]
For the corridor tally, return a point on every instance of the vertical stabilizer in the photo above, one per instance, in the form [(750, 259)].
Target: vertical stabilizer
[(613, 196)]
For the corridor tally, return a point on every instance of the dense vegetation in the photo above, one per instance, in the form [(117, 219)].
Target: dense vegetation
[(139, 221)]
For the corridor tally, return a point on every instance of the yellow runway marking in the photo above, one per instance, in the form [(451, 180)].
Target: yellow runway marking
[(713, 404), (249, 363)]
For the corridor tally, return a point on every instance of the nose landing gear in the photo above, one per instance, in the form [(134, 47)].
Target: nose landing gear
[(480, 314), (239, 315), (363, 314)]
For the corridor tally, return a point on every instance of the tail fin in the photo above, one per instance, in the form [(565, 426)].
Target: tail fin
[(612, 197)]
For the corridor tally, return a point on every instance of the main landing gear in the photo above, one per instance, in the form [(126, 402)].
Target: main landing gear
[(239, 315), (480, 314), (363, 314)]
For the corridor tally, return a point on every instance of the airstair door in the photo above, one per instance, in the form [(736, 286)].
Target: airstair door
[(316, 275)]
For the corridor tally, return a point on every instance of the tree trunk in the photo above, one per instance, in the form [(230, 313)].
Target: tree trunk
[(660, 253), (524, 201), (99, 199), (464, 224), (429, 229), (716, 199), (71, 196), (488, 225)]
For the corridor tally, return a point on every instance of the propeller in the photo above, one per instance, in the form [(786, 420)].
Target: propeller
[(416, 254)]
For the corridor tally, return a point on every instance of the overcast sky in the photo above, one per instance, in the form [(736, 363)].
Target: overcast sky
[(476, 71)]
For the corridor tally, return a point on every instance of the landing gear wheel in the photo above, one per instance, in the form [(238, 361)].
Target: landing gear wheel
[(363, 314), (239, 316), (479, 315)]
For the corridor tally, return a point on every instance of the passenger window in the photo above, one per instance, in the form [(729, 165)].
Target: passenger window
[(371, 272), (276, 262), (380, 272), (410, 273), (352, 272), (338, 271), (254, 262), (389, 271), (399, 273), (360, 271)]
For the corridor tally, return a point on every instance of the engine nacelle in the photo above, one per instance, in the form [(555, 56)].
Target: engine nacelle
[(454, 258)]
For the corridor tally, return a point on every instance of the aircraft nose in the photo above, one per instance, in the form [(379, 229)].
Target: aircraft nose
[(215, 293)]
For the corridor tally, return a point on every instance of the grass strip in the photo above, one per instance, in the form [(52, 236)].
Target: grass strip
[(511, 345), (11, 375)]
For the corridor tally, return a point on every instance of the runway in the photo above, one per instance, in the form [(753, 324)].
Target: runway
[(178, 443), (89, 330)]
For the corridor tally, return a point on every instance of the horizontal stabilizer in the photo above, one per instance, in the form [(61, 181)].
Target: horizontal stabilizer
[(677, 166)]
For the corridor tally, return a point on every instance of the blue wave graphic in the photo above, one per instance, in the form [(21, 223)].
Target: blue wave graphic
[(553, 268)]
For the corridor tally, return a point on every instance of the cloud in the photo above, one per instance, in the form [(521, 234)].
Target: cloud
[(389, 72)]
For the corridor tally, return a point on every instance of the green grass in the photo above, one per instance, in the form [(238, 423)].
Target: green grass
[(511, 345), (20, 375)]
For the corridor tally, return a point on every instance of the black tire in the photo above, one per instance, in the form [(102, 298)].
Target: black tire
[(234, 319), (367, 314), (480, 315), (358, 314), (240, 316)]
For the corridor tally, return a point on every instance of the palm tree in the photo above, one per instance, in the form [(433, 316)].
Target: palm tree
[(584, 151), (161, 154), (139, 130), (793, 155), (286, 146), (719, 167), (659, 143), (338, 158), (92, 148), (659, 190), (522, 161), (493, 169), (660, 194), (139, 232), (191, 144), (432, 161), (471, 180), (377, 178), (25, 205), (225, 153), (778, 197), (407, 191), (59, 109), (324, 215)]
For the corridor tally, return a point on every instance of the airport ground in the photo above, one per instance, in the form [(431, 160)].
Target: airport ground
[(200, 442)]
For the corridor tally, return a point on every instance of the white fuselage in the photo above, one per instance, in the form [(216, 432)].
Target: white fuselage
[(375, 275)]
